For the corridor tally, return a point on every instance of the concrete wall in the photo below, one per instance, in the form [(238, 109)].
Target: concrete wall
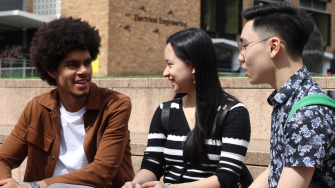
[(146, 94)]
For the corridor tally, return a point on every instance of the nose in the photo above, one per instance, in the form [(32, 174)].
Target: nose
[(241, 58), (82, 69), (166, 72)]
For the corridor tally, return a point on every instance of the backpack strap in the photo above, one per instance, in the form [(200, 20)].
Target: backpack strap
[(226, 108), (165, 117), (312, 100)]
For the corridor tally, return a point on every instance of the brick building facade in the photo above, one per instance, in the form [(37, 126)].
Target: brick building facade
[(134, 31), (133, 39)]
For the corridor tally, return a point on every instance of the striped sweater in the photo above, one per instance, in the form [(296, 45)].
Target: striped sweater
[(164, 154)]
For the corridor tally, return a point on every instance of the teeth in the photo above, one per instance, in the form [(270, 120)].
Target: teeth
[(82, 82)]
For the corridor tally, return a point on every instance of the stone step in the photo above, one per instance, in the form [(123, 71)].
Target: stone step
[(257, 158), (258, 151)]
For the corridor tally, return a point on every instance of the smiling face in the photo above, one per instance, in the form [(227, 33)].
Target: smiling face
[(178, 72), (73, 75), (256, 60)]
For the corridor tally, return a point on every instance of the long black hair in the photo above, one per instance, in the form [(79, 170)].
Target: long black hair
[(194, 45)]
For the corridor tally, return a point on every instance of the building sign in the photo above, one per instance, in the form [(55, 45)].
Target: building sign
[(156, 20)]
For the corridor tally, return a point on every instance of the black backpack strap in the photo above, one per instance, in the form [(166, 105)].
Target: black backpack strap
[(226, 108), (165, 120), (165, 117)]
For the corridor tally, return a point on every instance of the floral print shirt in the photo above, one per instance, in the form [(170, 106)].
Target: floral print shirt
[(308, 137)]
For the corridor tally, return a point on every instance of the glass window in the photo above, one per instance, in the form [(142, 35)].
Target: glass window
[(323, 22), (225, 57), (314, 4), (221, 17), (10, 5), (265, 2), (306, 3), (209, 15)]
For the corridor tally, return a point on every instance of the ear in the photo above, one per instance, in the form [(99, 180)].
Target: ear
[(275, 46), (192, 67), (52, 74)]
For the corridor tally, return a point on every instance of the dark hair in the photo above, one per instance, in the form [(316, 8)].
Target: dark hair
[(52, 41), (293, 25), (194, 45)]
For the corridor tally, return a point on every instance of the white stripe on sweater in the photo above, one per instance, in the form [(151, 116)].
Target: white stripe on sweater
[(235, 141)]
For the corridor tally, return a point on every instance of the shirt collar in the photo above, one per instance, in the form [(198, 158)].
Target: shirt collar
[(93, 99), (292, 84)]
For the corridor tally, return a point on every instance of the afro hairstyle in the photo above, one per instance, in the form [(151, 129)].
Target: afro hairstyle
[(54, 40)]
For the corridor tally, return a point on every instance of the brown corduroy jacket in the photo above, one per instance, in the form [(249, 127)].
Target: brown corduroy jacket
[(107, 142)]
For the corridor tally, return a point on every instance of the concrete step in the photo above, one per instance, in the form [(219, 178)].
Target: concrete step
[(257, 158)]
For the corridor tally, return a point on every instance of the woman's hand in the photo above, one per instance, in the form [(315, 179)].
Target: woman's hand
[(157, 184), (130, 184)]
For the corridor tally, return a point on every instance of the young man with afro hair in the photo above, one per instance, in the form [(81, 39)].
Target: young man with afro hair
[(75, 135), (302, 149)]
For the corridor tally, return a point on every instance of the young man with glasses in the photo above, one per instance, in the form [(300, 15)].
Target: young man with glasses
[(302, 147)]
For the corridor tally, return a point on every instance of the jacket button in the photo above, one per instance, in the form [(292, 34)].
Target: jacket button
[(53, 157)]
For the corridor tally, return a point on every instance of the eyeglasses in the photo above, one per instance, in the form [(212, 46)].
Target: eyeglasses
[(242, 47)]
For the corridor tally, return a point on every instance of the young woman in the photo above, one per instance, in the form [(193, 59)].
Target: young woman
[(213, 157)]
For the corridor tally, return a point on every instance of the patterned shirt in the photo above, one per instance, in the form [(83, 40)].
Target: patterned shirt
[(308, 138)]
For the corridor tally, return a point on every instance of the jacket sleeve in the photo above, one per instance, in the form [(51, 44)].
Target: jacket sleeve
[(110, 152), (14, 149), (235, 142)]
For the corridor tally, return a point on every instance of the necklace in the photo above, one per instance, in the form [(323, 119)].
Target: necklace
[(192, 119)]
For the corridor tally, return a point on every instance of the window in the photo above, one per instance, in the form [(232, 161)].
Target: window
[(225, 59), (320, 5), (10, 5), (265, 2), (318, 8), (10, 67), (221, 18), (323, 22)]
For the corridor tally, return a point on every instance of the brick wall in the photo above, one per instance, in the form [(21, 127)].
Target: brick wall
[(30, 5), (139, 50), (97, 14)]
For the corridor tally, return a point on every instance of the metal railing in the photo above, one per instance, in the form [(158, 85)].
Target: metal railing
[(19, 68)]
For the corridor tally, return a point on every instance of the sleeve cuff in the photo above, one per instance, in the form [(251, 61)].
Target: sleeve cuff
[(52, 180)]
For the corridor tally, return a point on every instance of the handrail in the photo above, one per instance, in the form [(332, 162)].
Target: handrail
[(6, 67)]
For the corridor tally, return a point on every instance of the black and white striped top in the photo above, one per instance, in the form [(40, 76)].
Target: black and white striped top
[(164, 155)]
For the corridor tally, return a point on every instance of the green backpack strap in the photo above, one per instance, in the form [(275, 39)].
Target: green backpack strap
[(312, 100)]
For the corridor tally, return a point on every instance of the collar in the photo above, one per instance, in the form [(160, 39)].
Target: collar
[(292, 84), (93, 101)]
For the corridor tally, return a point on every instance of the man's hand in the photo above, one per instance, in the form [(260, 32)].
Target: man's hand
[(11, 183), (130, 184), (42, 184)]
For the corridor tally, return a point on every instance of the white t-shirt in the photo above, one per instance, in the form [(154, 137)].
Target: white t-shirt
[(72, 135)]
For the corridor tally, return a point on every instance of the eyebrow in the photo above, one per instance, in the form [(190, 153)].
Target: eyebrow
[(168, 60), (243, 39), (75, 61)]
